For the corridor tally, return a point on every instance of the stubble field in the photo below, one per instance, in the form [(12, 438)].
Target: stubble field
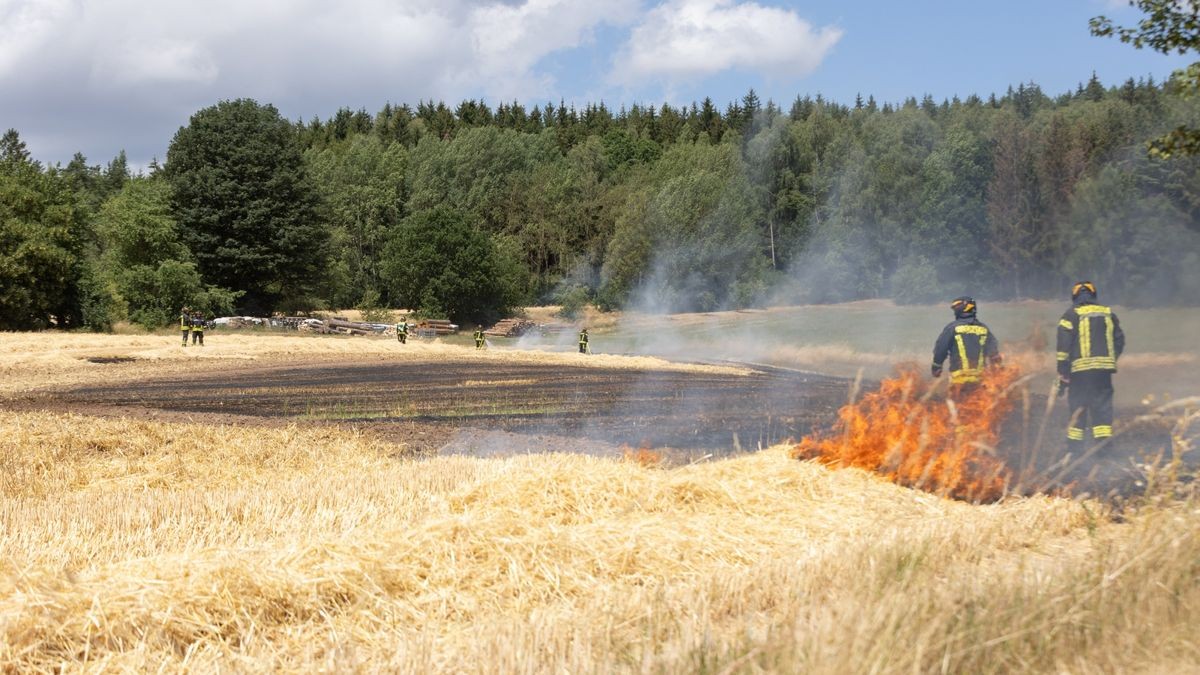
[(272, 503)]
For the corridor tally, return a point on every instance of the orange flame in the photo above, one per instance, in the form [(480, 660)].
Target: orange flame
[(643, 455), (916, 439)]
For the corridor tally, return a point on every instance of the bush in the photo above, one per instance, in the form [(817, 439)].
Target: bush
[(372, 310), (573, 301), (915, 282), (439, 262)]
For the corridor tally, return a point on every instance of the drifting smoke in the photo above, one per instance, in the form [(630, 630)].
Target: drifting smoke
[(900, 428)]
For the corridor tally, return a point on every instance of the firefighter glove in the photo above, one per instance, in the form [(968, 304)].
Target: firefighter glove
[(1063, 384), (935, 370)]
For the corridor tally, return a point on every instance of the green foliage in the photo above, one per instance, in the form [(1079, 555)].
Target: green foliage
[(102, 305), (41, 243), (468, 210), (681, 241), (1123, 234), (573, 300), (373, 311), (143, 263), (362, 185), (916, 282), (1170, 26), (440, 262), (245, 205)]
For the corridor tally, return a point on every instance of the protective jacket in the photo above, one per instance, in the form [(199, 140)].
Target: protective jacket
[(185, 322), (1089, 338), (969, 344)]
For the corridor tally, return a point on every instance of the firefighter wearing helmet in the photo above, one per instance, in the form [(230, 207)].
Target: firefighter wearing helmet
[(968, 343), (185, 323), (1090, 341)]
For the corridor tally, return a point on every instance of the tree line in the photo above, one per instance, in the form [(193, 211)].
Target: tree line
[(473, 211)]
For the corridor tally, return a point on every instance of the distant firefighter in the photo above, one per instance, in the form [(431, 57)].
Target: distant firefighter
[(969, 344), (1090, 341), (185, 323), (583, 342), (402, 332), (479, 340), (197, 329)]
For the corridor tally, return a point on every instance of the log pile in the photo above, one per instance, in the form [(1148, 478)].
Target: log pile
[(510, 328), (436, 327)]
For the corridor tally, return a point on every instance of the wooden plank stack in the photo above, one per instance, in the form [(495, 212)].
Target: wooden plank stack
[(437, 326), (510, 328)]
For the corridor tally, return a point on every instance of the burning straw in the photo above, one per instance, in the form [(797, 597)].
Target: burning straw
[(913, 436)]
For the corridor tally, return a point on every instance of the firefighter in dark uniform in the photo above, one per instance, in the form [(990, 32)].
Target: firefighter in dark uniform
[(198, 329), (479, 338), (968, 343), (583, 341), (185, 323), (402, 332), (1090, 341)]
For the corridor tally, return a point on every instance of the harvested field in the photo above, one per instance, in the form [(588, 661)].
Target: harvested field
[(430, 398), (287, 504), (140, 545)]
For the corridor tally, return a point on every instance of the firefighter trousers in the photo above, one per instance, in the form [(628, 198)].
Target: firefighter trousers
[(185, 336), (1090, 397), (197, 337)]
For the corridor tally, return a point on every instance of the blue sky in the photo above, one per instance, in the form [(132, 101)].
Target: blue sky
[(101, 76)]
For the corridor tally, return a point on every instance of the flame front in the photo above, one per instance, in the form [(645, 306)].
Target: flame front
[(917, 439)]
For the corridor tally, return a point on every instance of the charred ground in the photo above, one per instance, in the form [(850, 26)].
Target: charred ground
[(490, 408)]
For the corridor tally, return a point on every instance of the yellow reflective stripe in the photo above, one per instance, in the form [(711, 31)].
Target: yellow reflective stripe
[(966, 376), (1085, 337), (1102, 431), (1092, 309), (973, 330), (1094, 363), (1062, 356), (1066, 324), (1075, 433), (1108, 334), (963, 361)]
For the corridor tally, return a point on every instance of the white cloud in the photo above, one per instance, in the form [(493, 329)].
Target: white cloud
[(510, 39), (74, 71), (157, 61), (691, 39)]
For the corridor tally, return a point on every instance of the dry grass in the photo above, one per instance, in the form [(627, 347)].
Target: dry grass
[(134, 546), (30, 361)]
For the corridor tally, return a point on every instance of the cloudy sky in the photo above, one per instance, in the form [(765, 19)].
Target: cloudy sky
[(98, 76)]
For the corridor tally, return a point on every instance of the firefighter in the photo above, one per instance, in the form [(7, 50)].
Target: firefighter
[(197, 329), (402, 332), (185, 323), (479, 338), (970, 345), (1090, 341), (583, 341)]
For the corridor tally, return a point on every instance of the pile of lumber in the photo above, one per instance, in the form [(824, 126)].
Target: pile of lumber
[(313, 326), (510, 328), (436, 327)]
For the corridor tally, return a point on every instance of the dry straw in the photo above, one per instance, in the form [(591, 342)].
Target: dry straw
[(133, 546)]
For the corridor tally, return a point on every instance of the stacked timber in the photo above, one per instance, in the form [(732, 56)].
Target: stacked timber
[(510, 328), (313, 326), (436, 327)]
